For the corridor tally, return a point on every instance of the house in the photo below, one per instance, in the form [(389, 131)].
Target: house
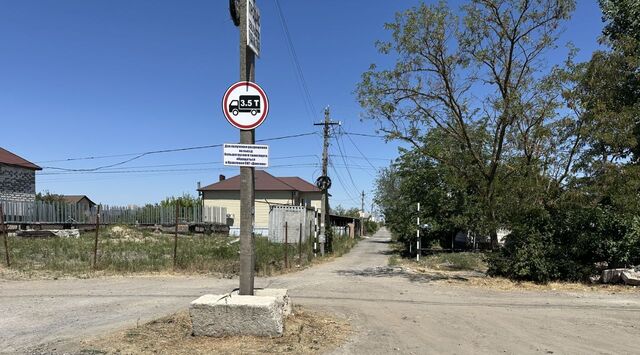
[(80, 201), (17, 178), (269, 191)]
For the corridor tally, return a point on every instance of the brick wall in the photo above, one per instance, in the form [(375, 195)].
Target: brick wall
[(17, 184)]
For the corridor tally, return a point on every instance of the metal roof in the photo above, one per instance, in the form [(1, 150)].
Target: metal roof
[(264, 182), (8, 158)]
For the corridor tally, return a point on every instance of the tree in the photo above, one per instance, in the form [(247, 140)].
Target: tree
[(350, 212), (186, 200), (48, 197), (476, 81)]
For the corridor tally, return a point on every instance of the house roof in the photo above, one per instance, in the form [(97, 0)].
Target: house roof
[(6, 157), (300, 184), (264, 182), (74, 199)]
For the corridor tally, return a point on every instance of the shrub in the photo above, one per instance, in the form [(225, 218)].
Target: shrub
[(566, 244)]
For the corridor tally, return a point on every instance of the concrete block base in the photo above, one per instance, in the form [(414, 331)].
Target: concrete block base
[(281, 295), (224, 315)]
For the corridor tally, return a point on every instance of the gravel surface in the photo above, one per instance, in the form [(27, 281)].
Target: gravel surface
[(390, 310)]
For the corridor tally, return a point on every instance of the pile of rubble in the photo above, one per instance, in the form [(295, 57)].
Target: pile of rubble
[(628, 276)]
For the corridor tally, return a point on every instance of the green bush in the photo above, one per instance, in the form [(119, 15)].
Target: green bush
[(567, 243)]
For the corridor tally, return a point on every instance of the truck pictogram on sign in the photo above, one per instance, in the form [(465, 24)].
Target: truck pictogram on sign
[(245, 105)]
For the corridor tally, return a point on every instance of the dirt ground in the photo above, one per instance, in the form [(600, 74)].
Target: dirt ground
[(390, 309), (305, 333)]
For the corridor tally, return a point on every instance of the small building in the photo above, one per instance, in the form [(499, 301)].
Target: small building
[(82, 202), (269, 191), (17, 178)]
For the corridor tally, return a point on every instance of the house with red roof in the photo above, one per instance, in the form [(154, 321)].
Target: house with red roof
[(17, 178), (269, 190)]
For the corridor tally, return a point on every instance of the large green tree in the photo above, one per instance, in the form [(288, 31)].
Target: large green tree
[(477, 81)]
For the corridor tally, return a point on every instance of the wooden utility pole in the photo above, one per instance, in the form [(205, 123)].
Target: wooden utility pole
[(5, 237), (324, 204), (362, 231), (247, 174)]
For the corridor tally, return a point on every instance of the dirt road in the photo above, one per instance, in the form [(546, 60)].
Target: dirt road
[(390, 311)]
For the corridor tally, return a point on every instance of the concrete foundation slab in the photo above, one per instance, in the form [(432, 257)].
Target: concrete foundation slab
[(223, 315)]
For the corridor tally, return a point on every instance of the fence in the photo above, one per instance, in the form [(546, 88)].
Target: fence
[(64, 213), (293, 217)]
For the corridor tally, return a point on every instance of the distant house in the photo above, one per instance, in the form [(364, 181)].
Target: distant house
[(80, 201), (17, 178), (269, 190)]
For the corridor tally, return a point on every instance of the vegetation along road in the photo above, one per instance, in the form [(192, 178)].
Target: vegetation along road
[(388, 309)]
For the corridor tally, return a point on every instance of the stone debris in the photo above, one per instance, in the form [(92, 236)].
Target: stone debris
[(631, 277), (611, 276), (45, 233)]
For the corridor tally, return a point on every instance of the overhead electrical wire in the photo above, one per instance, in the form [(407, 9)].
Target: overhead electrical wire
[(153, 152), (345, 162), (296, 63), (358, 149)]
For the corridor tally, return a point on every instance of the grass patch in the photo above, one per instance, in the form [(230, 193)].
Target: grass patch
[(123, 250), (305, 333), (455, 261)]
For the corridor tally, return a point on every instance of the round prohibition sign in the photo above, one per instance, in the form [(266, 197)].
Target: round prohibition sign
[(245, 105)]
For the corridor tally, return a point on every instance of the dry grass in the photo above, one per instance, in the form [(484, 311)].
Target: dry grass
[(475, 277), (305, 333), (128, 251)]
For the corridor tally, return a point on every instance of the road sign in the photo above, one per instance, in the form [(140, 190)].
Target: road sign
[(245, 105), (251, 155), (253, 27)]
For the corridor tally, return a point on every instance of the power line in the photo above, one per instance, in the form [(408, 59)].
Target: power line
[(160, 170), (296, 63), (171, 165), (140, 155), (365, 135), (359, 151), (345, 162)]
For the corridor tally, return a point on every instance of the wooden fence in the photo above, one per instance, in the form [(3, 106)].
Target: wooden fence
[(40, 212)]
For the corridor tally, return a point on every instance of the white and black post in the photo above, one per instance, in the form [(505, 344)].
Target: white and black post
[(418, 235)]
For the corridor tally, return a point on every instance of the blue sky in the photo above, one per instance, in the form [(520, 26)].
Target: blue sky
[(93, 78)]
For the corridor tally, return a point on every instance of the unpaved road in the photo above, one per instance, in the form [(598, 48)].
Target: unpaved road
[(389, 310)]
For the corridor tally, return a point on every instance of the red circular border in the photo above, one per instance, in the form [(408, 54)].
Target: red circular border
[(228, 116)]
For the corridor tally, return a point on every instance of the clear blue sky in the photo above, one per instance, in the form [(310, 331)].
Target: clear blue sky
[(91, 78)]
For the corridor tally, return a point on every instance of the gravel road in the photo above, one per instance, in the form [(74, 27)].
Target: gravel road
[(391, 311)]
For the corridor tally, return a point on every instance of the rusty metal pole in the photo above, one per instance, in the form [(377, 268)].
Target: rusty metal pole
[(5, 237), (175, 238), (286, 245), (95, 243), (300, 245)]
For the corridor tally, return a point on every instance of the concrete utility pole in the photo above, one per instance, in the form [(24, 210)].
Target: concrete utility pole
[(325, 223), (362, 231), (247, 174)]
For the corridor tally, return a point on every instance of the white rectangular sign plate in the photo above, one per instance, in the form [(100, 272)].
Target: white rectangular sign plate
[(251, 155), (253, 27)]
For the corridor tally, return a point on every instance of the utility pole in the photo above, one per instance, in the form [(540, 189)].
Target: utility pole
[(325, 222), (362, 231), (247, 174)]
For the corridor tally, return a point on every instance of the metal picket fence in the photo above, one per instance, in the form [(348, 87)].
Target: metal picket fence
[(63, 213)]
